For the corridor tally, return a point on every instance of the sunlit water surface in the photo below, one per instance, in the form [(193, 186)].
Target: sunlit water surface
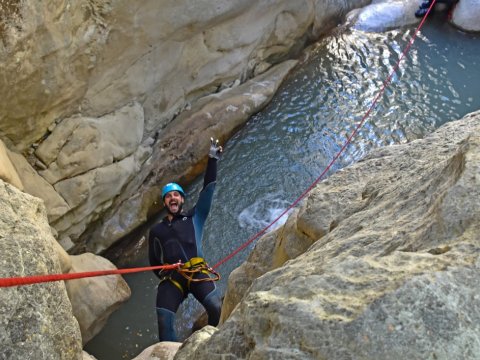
[(284, 148)]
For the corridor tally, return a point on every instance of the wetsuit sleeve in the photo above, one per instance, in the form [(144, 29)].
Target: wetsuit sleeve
[(154, 251), (202, 208), (210, 173)]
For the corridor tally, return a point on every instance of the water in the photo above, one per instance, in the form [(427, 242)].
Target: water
[(283, 149)]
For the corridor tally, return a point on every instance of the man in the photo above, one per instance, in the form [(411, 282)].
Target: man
[(178, 237), (423, 8)]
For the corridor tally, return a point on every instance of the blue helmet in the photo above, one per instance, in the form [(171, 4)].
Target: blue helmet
[(172, 187)]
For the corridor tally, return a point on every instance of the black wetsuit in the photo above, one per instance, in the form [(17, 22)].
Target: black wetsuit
[(423, 8), (180, 240)]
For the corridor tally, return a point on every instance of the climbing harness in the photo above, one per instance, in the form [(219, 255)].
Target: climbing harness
[(197, 265), (192, 267), (189, 270)]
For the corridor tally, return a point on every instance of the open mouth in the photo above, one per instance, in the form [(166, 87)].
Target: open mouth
[(173, 206)]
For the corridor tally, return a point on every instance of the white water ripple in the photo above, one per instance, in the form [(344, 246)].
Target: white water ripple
[(263, 212)]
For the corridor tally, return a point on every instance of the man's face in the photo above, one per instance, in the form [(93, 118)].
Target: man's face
[(173, 201)]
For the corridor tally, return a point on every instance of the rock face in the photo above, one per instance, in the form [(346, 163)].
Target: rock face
[(393, 270), (197, 339), (285, 243), (164, 350), (36, 321), (87, 356), (91, 88), (90, 161), (37, 186), (8, 172)]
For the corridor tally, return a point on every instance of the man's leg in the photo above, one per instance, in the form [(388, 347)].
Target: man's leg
[(208, 295), (169, 298), (213, 305)]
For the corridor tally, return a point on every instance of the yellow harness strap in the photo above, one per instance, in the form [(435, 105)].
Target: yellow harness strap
[(197, 265), (194, 262), (188, 270), (177, 284)]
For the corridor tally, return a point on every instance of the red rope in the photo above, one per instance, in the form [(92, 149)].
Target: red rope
[(349, 139), (27, 280)]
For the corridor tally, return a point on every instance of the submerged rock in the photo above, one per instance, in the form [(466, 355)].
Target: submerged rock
[(389, 14), (393, 270), (467, 15), (94, 299), (384, 15)]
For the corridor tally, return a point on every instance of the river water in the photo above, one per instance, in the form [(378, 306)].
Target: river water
[(284, 148)]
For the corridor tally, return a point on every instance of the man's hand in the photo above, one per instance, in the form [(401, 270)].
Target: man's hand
[(215, 150)]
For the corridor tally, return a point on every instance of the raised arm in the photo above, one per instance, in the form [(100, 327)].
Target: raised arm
[(206, 195)]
